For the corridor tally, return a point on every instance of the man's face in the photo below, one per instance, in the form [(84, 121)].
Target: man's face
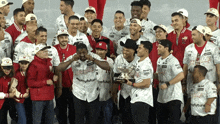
[(211, 19), (63, 40), (73, 25), (2, 20), (145, 11), (196, 36), (208, 37), (82, 54), (90, 15), (63, 7), (31, 29), (161, 49), (42, 37), (119, 20), (134, 28), (177, 22), (31, 22), (24, 65), (2, 34), (43, 54), (136, 12), (102, 53), (160, 34), (83, 26), (96, 28), (141, 51), (29, 6), (128, 53), (195, 75), (6, 10), (20, 18)]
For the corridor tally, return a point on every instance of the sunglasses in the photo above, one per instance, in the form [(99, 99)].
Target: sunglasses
[(24, 62), (7, 67)]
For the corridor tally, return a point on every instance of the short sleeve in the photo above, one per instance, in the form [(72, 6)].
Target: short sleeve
[(216, 55), (176, 68), (110, 62), (185, 59), (120, 48), (56, 59), (95, 56), (211, 90), (115, 70), (67, 59)]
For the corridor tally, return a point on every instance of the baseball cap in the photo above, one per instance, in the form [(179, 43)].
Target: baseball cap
[(166, 43), (136, 21), (208, 30), (4, 3), (62, 32), (130, 44), (184, 12), (161, 26), (24, 1), (213, 11), (40, 47), (201, 29), (101, 45), (90, 8), (30, 17), (6, 62), (24, 58), (83, 18)]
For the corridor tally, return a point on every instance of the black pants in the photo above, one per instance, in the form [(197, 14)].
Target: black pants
[(28, 110), (10, 106), (153, 110), (3, 113), (209, 119), (140, 112), (169, 113), (81, 107), (125, 110), (64, 101)]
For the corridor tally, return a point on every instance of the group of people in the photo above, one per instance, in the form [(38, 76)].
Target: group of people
[(136, 72)]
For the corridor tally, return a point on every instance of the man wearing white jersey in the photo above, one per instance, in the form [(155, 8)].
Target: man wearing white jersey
[(105, 84), (66, 8), (85, 84), (3, 50), (126, 60), (141, 92), (5, 7), (135, 35), (83, 25), (203, 96), (118, 31), (212, 16), (6, 43), (169, 73)]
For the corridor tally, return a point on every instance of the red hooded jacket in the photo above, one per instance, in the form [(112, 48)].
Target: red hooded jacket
[(21, 85)]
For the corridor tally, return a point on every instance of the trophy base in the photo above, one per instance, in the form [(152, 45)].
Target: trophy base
[(124, 80)]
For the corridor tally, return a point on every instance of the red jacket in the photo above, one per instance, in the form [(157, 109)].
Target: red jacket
[(184, 40), (14, 31), (21, 85), (39, 71), (67, 76), (4, 81), (93, 44), (153, 57)]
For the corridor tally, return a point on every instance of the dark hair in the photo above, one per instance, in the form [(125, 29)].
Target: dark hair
[(40, 29), (148, 45), (81, 18), (177, 14), (166, 43), (194, 28), (1, 13), (73, 17), (137, 3), (146, 2), (119, 11), (16, 11), (202, 69), (97, 20), (80, 46), (10, 75), (68, 2)]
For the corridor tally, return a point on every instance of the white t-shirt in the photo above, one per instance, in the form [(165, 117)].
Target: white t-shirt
[(7, 44), (115, 35), (168, 69), (209, 57), (199, 93), (120, 61), (85, 84), (144, 70), (104, 81)]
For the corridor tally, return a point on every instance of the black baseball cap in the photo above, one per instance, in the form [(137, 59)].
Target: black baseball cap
[(130, 44)]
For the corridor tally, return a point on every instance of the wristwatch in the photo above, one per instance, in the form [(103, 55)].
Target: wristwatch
[(167, 83)]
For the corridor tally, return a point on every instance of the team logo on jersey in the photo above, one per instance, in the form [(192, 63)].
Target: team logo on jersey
[(7, 41), (184, 39)]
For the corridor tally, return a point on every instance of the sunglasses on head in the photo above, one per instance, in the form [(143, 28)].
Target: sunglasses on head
[(7, 67)]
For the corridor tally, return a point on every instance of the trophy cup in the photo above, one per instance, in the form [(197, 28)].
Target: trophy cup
[(126, 74)]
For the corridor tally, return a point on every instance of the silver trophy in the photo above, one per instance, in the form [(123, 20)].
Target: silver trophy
[(126, 74)]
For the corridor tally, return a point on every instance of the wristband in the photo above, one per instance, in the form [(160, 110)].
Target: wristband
[(167, 83), (6, 95), (208, 104), (133, 84)]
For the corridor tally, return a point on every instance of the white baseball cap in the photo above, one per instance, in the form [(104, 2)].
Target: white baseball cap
[(201, 29), (30, 17), (6, 62), (24, 1), (184, 12), (4, 3), (40, 47), (135, 20), (24, 58), (62, 32), (161, 26), (208, 30), (90, 8), (213, 11), (83, 18)]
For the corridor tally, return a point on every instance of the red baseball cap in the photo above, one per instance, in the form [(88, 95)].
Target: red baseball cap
[(101, 45)]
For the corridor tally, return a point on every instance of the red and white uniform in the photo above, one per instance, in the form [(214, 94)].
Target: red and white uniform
[(179, 44), (5, 81), (14, 31)]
